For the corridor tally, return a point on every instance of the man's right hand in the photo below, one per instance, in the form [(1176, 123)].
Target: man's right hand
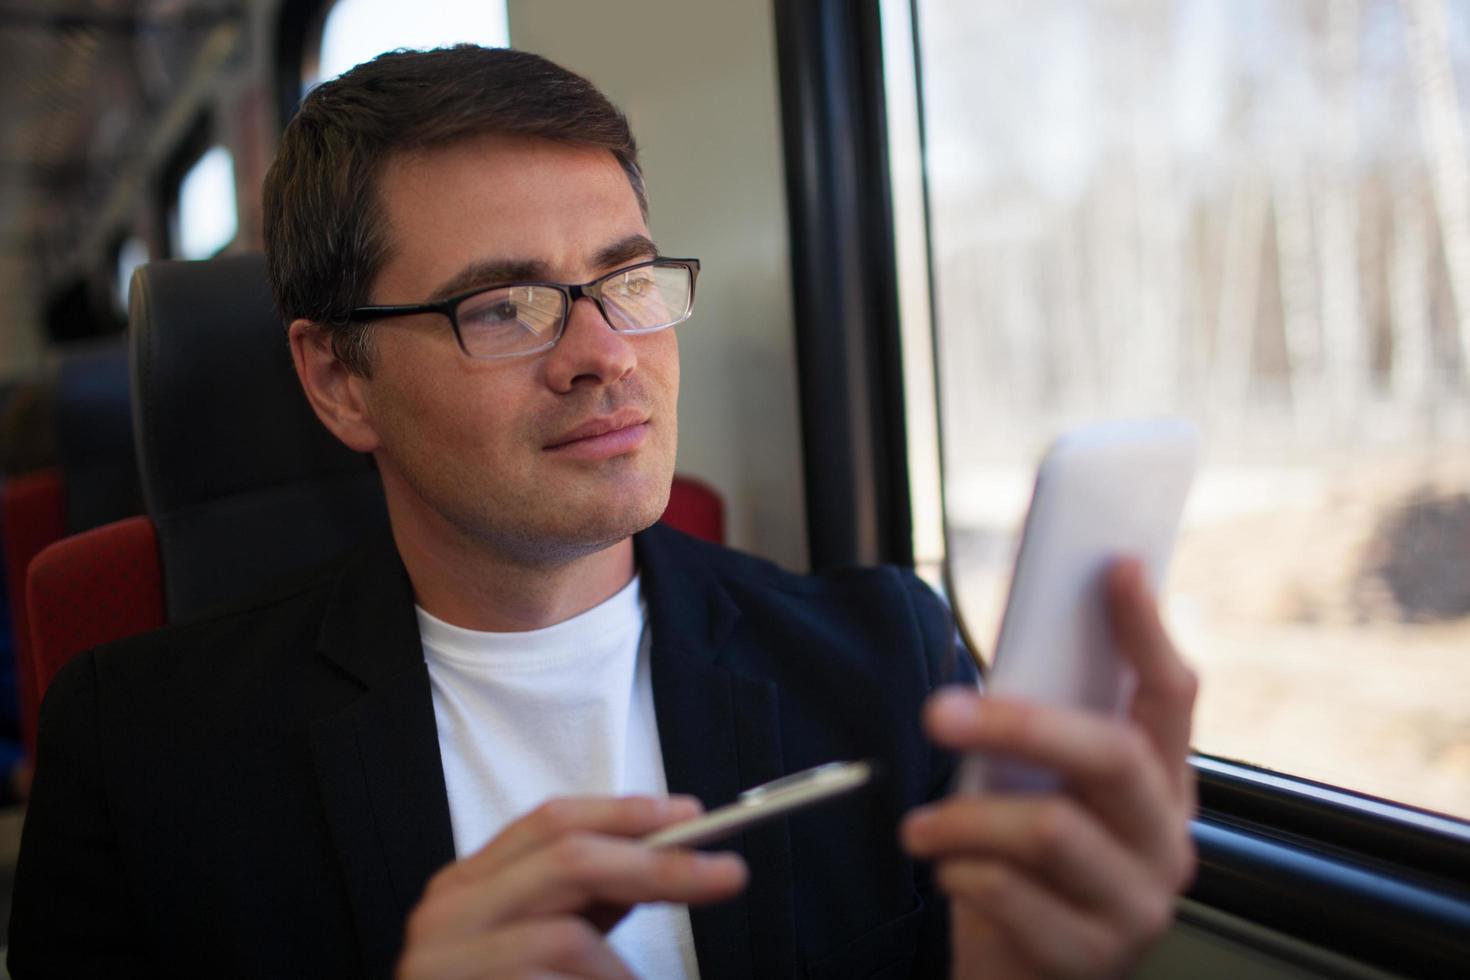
[(538, 899)]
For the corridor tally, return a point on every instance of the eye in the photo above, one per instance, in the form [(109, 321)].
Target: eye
[(495, 309), (637, 283)]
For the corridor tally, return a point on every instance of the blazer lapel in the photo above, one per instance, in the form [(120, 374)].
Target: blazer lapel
[(720, 734), (378, 765)]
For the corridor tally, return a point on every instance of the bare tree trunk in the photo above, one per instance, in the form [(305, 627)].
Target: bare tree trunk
[(971, 380), (1075, 345), (1113, 246), (1203, 269), (1156, 360), (1445, 146), (1240, 289), (1160, 267), (1408, 293), (1300, 310), (1374, 222), (1344, 342)]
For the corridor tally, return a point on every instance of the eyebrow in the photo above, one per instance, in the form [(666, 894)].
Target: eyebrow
[(489, 272), (634, 248)]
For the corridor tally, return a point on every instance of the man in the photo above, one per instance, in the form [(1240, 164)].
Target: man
[(438, 760)]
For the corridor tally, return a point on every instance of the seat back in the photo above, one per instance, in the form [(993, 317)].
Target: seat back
[(242, 481)]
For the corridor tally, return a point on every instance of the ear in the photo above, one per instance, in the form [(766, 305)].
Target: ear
[(336, 393)]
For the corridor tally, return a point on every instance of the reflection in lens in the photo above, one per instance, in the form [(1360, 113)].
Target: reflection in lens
[(647, 298), (511, 320)]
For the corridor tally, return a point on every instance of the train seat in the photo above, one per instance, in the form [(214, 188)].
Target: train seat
[(92, 588), (243, 483), (696, 508)]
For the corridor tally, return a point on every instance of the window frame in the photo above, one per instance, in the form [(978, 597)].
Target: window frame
[(1373, 879), (298, 30), (114, 259), (197, 140)]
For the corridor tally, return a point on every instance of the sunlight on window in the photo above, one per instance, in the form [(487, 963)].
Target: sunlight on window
[(359, 30), (207, 221)]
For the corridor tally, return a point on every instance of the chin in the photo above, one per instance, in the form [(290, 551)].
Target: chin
[(629, 498), (589, 523), (638, 509)]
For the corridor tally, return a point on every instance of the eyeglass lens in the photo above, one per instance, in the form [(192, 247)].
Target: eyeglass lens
[(516, 319)]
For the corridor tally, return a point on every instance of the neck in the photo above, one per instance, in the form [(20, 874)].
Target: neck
[(472, 585)]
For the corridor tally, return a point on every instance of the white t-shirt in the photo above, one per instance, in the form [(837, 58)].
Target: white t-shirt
[(561, 711)]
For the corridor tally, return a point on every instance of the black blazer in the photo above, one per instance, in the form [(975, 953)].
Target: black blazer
[(260, 794)]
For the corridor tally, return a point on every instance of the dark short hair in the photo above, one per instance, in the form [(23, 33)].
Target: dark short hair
[(325, 229)]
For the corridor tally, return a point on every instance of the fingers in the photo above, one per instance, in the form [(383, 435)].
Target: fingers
[(578, 871), (627, 816), (1056, 843), (530, 902), (1109, 763), (1043, 929), (1067, 883), (1163, 705), (563, 946), (581, 869)]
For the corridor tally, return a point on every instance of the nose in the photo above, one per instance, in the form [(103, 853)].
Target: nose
[(590, 351)]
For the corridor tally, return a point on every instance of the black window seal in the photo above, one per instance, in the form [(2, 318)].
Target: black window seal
[(1362, 827), (1375, 880), (844, 282)]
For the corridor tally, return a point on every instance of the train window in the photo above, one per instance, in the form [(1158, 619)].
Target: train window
[(204, 218), (132, 253), (355, 31), (1252, 215)]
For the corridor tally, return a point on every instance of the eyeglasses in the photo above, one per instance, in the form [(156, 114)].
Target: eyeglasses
[(521, 318)]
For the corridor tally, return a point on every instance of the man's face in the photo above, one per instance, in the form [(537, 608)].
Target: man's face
[(492, 447)]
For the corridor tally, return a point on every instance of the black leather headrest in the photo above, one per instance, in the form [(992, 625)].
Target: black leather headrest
[(94, 435), (244, 483)]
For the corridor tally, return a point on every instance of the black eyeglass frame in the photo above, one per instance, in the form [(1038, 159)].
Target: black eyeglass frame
[(449, 306)]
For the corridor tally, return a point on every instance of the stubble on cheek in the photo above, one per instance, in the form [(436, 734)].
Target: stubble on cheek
[(507, 494), (483, 467)]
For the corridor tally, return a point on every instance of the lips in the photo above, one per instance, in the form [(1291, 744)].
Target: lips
[(605, 435)]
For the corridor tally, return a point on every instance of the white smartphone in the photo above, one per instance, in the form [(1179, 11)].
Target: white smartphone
[(765, 802), (1102, 492)]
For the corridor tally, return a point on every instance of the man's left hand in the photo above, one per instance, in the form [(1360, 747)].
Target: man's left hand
[(1077, 883)]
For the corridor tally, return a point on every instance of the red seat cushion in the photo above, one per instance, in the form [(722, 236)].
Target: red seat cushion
[(695, 508), (92, 588), (32, 516)]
